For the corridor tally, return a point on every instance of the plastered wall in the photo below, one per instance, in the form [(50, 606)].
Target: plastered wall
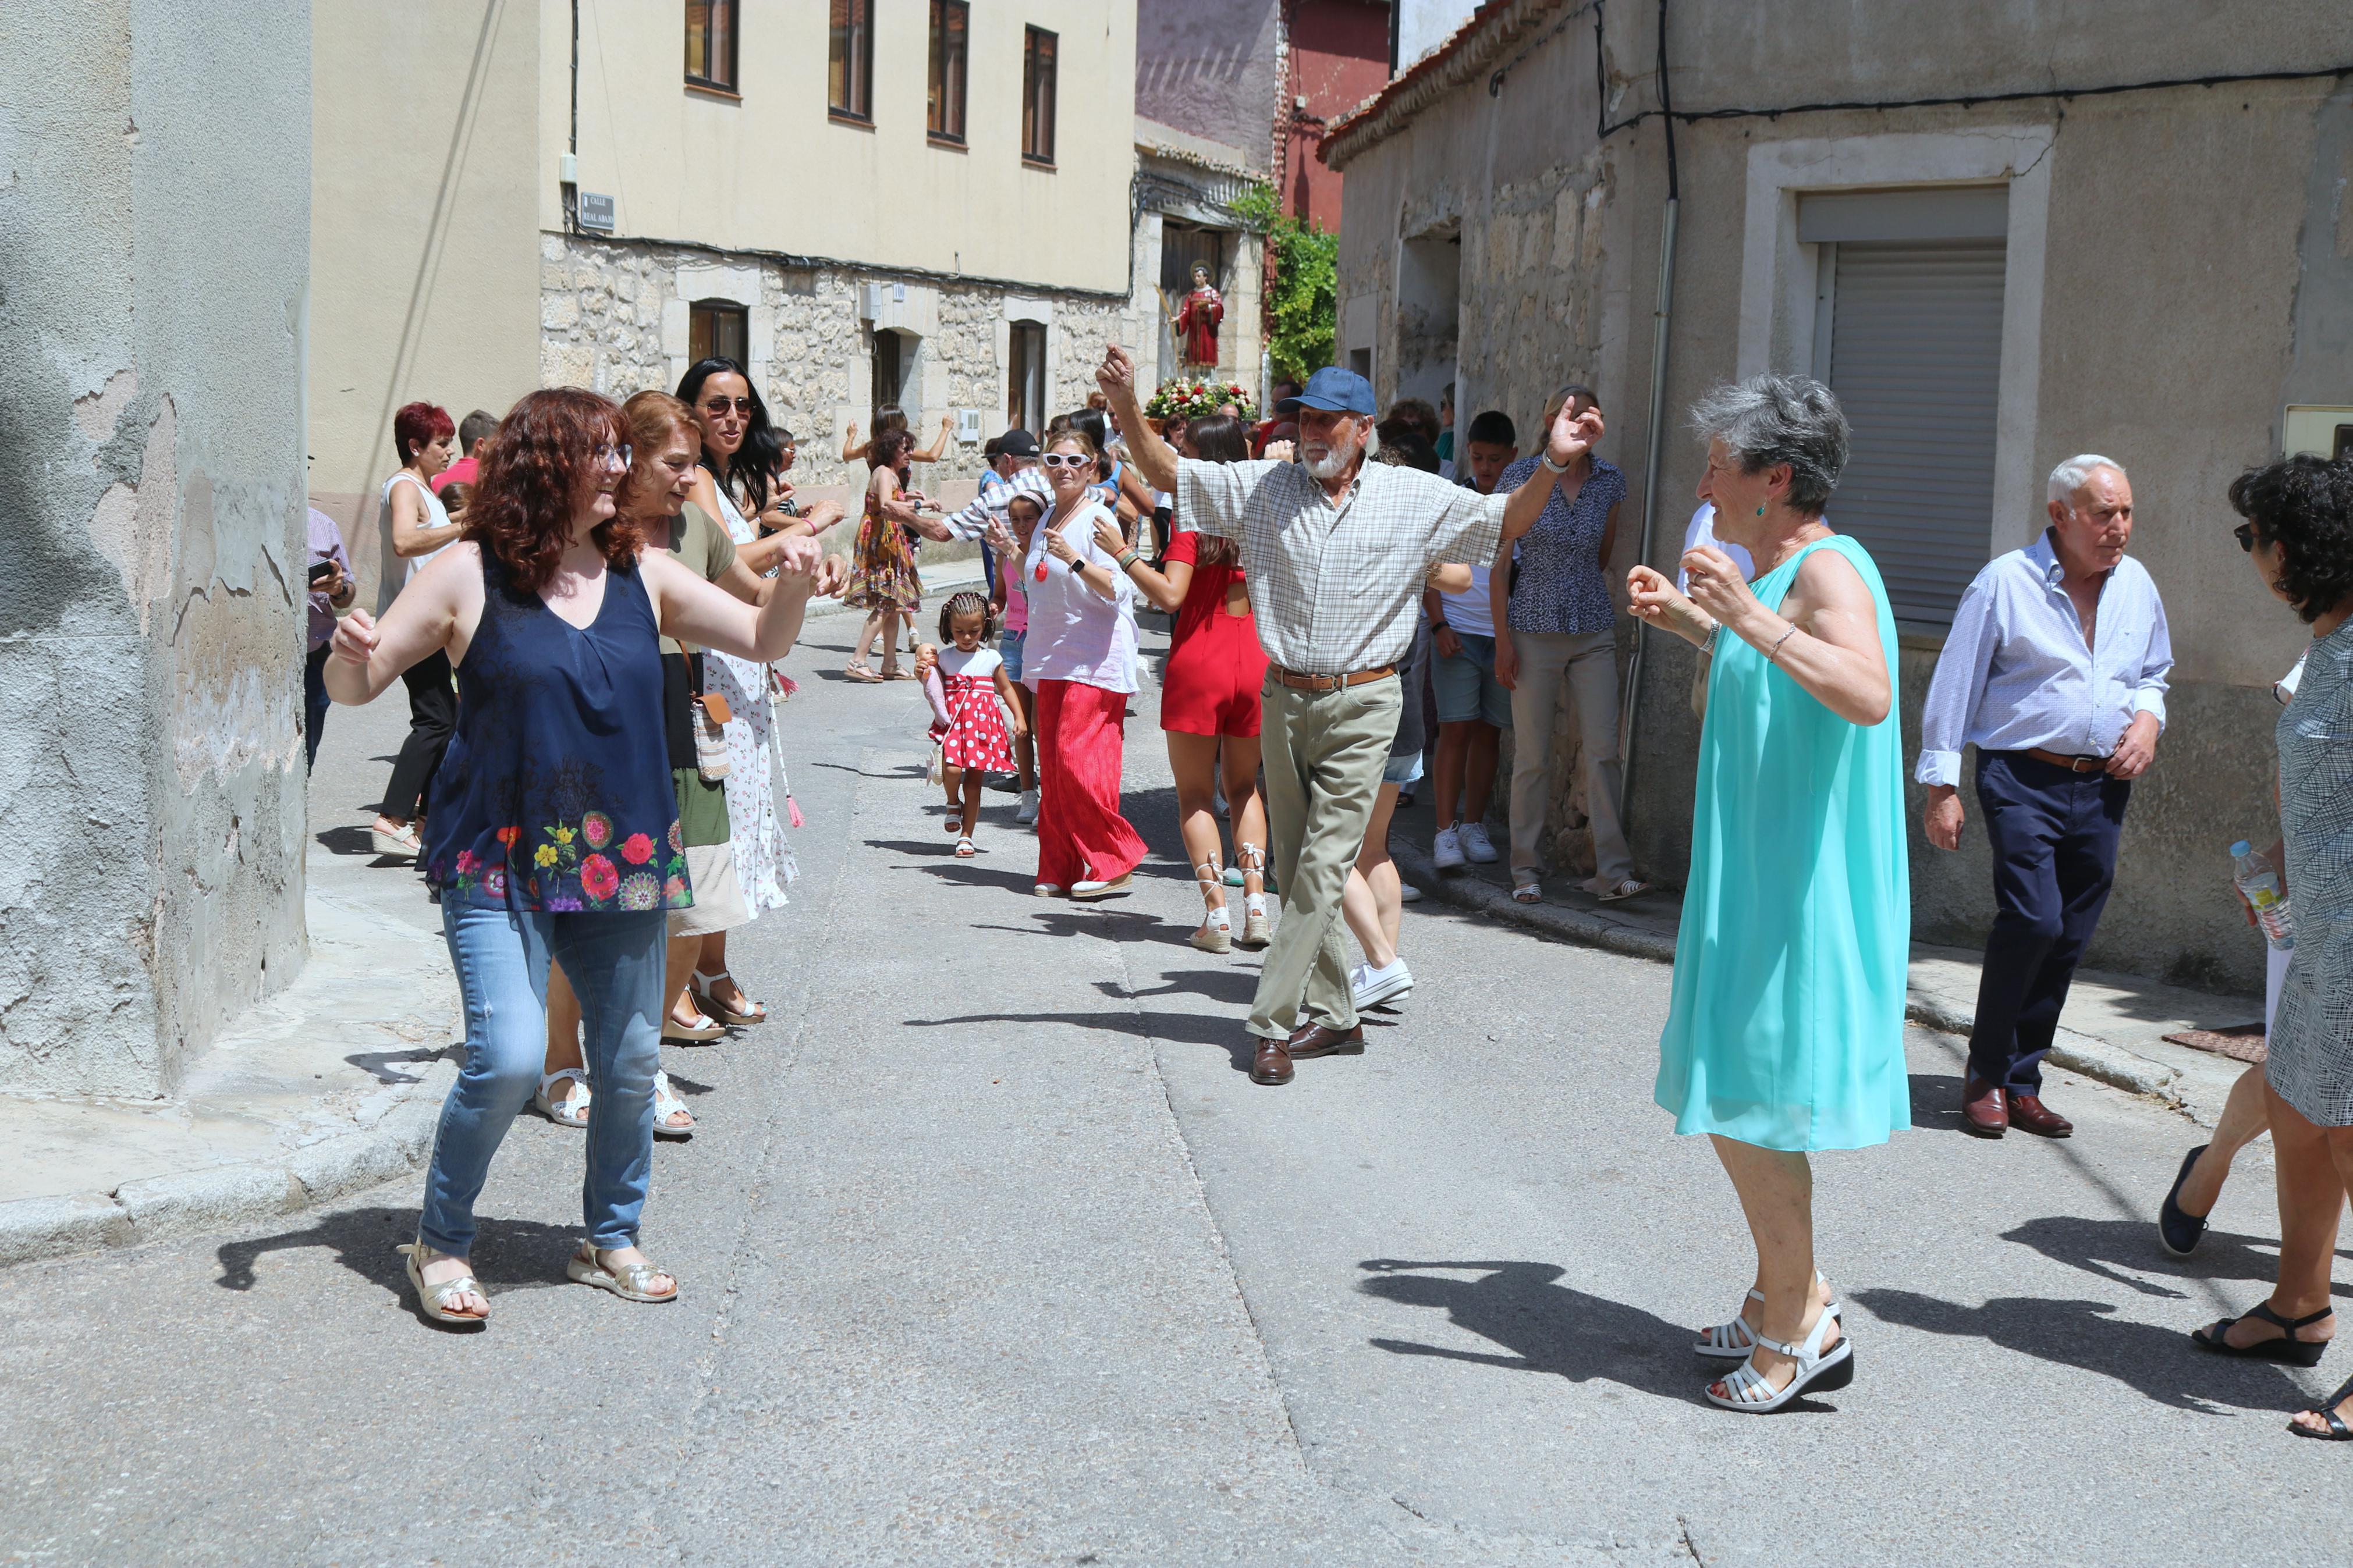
[(154, 208)]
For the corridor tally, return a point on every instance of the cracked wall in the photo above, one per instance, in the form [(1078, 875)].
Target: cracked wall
[(154, 258)]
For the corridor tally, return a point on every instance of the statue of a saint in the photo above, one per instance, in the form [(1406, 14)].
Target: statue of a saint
[(1196, 322)]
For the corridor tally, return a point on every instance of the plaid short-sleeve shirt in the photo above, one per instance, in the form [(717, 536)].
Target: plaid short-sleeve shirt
[(1334, 585)]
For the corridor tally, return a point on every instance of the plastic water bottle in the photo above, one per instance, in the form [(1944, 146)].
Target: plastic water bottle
[(2261, 887)]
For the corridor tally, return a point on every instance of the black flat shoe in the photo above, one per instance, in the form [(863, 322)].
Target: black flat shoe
[(2286, 1348), (2180, 1231), (2326, 1410)]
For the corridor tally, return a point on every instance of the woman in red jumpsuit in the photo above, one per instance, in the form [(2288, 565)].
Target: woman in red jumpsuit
[(1209, 702)]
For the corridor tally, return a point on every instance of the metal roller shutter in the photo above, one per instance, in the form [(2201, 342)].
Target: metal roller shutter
[(1916, 360)]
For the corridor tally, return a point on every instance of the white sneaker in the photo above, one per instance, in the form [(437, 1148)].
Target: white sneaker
[(1475, 844), (1027, 810), (1408, 893), (1374, 986), (1448, 850)]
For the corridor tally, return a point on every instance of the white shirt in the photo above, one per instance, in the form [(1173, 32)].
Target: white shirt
[(981, 662), (1470, 612), (1703, 531), (436, 516), (1076, 634)]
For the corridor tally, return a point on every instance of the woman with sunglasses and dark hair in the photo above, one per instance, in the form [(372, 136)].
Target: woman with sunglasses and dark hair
[(554, 831), (2299, 538)]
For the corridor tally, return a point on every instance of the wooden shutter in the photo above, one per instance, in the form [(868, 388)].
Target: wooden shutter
[(1916, 359)]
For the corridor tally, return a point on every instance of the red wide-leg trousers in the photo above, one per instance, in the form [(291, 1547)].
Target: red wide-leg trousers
[(1082, 837)]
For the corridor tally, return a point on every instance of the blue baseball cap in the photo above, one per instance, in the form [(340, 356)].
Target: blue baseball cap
[(1333, 390)]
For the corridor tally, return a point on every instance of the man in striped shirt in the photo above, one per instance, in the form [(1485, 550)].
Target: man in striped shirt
[(1336, 551), (2055, 671)]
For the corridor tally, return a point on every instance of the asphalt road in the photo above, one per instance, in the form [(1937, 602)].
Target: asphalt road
[(993, 1254)]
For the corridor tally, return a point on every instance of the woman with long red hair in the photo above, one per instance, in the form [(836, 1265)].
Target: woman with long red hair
[(554, 830)]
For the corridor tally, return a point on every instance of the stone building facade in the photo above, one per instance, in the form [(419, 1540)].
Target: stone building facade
[(1504, 229)]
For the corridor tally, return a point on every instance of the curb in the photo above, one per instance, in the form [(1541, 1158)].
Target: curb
[(396, 1134), (2093, 1058)]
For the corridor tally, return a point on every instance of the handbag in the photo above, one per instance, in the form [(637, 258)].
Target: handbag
[(711, 715)]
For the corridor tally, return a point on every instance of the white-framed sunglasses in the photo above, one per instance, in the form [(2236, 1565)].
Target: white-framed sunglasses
[(1067, 460)]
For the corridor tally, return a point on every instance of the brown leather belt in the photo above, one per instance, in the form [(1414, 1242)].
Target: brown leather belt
[(2072, 764), (1299, 682)]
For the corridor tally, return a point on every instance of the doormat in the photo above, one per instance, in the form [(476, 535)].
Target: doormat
[(2242, 1044)]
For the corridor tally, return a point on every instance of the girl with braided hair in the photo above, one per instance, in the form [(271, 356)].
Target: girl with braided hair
[(977, 694)]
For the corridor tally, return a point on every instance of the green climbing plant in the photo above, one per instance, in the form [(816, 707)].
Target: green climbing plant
[(1301, 305)]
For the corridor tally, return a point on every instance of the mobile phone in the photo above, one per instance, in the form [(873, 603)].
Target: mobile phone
[(321, 570)]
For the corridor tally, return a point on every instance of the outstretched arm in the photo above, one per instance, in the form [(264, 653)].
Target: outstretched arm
[(1153, 457), (692, 610), (1571, 436)]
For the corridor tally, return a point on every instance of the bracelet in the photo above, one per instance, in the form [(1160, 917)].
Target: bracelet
[(1127, 560), (1773, 654), (1438, 626), (1707, 648)]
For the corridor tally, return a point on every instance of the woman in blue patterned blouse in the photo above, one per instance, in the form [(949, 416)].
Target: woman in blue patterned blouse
[(1563, 632)]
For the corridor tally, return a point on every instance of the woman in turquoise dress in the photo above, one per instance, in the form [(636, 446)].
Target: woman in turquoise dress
[(1786, 1030)]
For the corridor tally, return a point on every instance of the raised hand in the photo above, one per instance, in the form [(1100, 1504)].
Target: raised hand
[(1108, 537), (1716, 585), (800, 556), (1572, 435), (1116, 375), (1652, 597), (832, 577)]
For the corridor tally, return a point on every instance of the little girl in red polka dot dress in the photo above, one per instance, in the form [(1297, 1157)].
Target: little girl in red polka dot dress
[(974, 695)]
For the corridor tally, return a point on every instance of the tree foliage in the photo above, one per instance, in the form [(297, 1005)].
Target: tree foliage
[(1302, 302)]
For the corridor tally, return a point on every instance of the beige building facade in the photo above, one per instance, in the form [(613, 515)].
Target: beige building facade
[(2160, 273), (916, 209)]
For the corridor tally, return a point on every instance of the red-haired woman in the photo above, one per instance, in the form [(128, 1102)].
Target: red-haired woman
[(555, 833), (415, 528)]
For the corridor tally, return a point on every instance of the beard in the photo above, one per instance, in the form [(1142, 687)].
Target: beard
[(1323, 462)]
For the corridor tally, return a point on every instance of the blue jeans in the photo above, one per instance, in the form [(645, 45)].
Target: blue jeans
[(615, 964), (315, 702)]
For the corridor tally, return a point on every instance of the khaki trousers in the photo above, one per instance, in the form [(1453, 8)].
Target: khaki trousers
[(1587, 664), (1325, 751)]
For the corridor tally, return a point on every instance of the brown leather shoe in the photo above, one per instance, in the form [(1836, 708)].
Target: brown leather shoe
[(2029, 1114), (1982, 1113), (1323, 1040), (1273, 1063)]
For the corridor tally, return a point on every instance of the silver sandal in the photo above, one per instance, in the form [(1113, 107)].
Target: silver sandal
[(628, 1281), (1735, 1340), (435, 1299)]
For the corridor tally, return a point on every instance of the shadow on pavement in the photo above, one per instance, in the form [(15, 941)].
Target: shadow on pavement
[(1547, 1326), (1937, 1102), (2105, 1247), (2159, 1362), (509, 1254), (379, 1064)]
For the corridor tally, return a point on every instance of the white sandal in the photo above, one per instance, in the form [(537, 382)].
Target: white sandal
[(1212, 935), (436, 1299), (1625, 890), (713, 1007), (587, 1267), (965, 848), (1751, 1390), (571, 1112), (1735, 1340), (667, 1104)]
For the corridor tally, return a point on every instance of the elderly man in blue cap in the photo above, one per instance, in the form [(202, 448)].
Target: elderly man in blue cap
[(1336, 551)]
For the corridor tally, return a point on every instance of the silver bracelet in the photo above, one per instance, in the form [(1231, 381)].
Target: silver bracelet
[(1773, 654), (1707, 648)]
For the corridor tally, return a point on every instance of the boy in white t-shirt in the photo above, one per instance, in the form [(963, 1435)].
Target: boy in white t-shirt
[(1473, 707)]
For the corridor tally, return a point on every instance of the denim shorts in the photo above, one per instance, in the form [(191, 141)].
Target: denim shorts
[(1403, 769), (1008, 648), (1466, 686)]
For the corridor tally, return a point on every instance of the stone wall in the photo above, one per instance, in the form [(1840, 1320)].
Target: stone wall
[(152, 585), (615, 317)]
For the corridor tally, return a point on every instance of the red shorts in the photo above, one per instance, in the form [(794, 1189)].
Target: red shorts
[(1212, 684)]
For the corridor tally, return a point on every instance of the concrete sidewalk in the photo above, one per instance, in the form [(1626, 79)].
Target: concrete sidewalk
[(2113, 1028), (329, 1088)]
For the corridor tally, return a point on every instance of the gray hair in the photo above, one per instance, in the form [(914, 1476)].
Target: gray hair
[(1770, 419), (2076, 472)]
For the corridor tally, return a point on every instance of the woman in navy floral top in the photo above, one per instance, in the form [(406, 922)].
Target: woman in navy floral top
[(554, 829), (1548, 587)]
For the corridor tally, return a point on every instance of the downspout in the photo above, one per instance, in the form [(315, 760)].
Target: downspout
[(1661, 314), (571, 146)]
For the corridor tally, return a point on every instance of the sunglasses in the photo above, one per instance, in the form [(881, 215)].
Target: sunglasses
[(1067, 460), (715, 406), (2245, 535)]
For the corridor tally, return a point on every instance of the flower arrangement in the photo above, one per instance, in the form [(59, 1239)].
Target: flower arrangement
[(1192, 398)]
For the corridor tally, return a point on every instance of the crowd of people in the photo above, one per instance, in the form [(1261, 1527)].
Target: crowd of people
[(1349, 595)]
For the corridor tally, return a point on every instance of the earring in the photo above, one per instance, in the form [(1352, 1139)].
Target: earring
[(1760, 510)]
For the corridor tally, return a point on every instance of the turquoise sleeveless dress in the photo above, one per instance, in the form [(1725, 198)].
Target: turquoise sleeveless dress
[(1786, 1029)]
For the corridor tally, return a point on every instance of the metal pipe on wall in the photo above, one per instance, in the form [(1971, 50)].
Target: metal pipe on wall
[(1661, 314)]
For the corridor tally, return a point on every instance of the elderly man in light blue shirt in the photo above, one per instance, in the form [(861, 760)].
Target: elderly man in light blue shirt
[(2055, 671)]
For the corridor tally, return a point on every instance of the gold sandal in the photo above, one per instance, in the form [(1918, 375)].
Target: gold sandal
[(628, 1281), (435, 1299)]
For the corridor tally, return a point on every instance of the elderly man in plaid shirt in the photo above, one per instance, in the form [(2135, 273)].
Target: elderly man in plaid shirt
[(1336, 551)]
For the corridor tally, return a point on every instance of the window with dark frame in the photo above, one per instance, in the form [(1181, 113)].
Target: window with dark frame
[(710, 44), (1037, 52), (718, 328), (1025, 389), (951, 31), (849, 61)]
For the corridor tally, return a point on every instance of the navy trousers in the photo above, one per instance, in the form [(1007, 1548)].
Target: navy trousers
[(2054, 858)]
